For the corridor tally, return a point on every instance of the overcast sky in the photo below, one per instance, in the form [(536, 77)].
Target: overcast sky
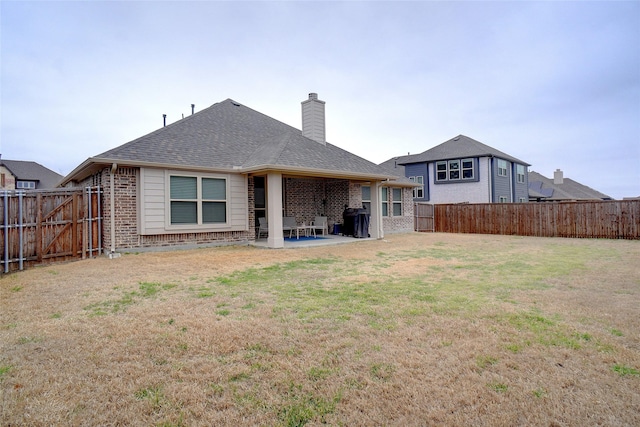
[(555, 84)]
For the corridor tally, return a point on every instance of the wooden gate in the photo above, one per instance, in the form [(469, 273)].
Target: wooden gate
[(423, 214), (42, 227)]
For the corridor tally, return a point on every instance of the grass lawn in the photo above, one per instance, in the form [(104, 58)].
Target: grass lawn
[(416, 329)]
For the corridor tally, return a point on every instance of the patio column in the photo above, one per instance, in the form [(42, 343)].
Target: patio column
[(274, 210), (375, 229)]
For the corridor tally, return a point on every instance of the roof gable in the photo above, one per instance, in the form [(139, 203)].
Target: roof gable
[(458, 147)]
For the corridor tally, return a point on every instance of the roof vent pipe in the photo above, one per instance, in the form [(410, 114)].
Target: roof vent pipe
[(192, 107), (164, 120)]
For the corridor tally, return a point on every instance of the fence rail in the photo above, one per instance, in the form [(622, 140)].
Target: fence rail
[(41, 227), (618, 219)]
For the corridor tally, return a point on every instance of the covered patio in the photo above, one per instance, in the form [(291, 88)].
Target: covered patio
[(309, 242)]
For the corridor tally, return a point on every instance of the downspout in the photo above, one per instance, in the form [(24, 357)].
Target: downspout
[(511, 175), (490, 179), (112, 203)]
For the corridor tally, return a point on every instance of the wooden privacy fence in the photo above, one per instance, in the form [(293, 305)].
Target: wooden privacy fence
[(41, 227), (618, 219)]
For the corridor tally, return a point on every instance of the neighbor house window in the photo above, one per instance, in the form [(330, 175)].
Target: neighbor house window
[(418, 192), (455, 170), (523, 200), (366, 198), (198, 200), (27, 185), (396, 200), (385, 201), (502, 167), (520, 174), (503, 199)]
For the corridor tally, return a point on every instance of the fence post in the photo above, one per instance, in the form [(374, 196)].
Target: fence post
[(6, 231), (90, 219), (20, 236), (99, 213)]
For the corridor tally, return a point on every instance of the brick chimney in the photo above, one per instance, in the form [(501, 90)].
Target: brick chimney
[(558, 177), (313, 123)]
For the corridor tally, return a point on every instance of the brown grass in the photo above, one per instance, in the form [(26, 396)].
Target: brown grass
[(418, 329)]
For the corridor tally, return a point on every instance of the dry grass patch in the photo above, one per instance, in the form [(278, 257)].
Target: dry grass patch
[(417, 329)]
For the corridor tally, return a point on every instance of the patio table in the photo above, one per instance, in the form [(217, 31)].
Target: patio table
[(307, 229)]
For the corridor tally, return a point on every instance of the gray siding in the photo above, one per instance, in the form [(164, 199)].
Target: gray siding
[(153, 204), (501, 184), (520, 190), (419, 169)]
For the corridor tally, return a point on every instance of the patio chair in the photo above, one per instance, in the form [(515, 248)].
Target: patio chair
[(263, 226), (320, 223), (289, 224)]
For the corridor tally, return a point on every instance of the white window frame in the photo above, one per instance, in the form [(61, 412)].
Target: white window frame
[(396, 201), (520, 174), (199, 225), (502, 167), (418, 192), (454, 170), (25, 185), (384, 200), (503, 199), (366, 202), (523, 200)]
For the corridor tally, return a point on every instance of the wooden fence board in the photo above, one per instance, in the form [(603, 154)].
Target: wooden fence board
[(51, 226), (617, 219)]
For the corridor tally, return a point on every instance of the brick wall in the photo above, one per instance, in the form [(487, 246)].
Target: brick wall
[(305, 198), (251, 195), (404, 223), (126, 216), (337, 197)]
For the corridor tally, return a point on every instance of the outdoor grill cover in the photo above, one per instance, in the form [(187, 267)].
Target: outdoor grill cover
[(355, 222)]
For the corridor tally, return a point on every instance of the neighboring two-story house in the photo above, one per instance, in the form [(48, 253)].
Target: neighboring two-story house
[(23, 175), (463, 170)]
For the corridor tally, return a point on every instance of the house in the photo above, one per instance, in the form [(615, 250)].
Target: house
[(208, 178), (463, 170), (25, 175), (542, 189)]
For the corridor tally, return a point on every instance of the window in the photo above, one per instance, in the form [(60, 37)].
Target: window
[(2, 183), (418, 192), (396, 194), (197, 200), (366, 198), (523, 200), (503, 199), (385, 201), (520, 174), (502, 167), (455, 170), (467, 169), (27, 185)]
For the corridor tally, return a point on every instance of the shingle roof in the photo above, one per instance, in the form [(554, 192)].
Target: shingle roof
[(229, 135), (32, 171), (543, 187), (458, 147)]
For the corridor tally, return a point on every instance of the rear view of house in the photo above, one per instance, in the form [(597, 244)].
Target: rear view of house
[(463, 170), (210, 177)]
